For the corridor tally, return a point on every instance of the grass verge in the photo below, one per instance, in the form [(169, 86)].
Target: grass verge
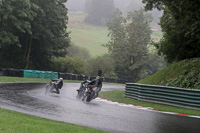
[(91, 39), (183, 74), (14, 122), (118, 96)]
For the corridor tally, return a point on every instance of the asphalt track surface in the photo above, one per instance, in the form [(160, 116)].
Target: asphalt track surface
[(31, 99)]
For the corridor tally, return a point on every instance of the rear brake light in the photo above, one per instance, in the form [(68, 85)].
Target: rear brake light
[(93, 88)]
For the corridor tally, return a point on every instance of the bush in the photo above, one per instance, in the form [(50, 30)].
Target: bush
[(78, 52), (187, 79), (184, 74), (104, 63), (68, 65)]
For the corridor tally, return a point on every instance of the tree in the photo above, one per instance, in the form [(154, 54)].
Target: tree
[(104, 63), (99, 11), (154, 63), (180, 26), (78, 52), (15, 17), (32, 32), (49, 33), (68, 65), (128, 44)]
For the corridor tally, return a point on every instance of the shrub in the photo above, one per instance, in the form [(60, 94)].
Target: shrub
[(68, 65)]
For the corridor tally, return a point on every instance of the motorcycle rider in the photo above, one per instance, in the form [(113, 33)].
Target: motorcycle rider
[(95, 84), (58, 85)]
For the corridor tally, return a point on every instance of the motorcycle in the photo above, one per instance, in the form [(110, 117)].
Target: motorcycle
[(89, 94), (82, 89), (50, 88), (86, 92)]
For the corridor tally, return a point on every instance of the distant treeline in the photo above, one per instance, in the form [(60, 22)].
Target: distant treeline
[(100, 10)]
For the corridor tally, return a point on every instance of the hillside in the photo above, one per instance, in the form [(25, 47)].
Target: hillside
[(184, 74), (89, 36)]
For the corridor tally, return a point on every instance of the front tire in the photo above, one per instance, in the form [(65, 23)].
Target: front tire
[(90, 96), (84, 97), (80, 94), (58, 91)]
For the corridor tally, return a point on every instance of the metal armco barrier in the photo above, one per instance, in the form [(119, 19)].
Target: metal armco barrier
[(180, 97)]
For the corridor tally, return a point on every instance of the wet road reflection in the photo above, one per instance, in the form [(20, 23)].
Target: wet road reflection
[(31, 99)]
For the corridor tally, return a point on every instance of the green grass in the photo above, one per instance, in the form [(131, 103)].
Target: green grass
[(118, 96), (91, 39), (172, 71), (14, 122)]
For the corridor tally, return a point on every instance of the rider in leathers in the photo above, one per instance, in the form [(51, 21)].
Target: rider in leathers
[(58, 84), (95, 84)]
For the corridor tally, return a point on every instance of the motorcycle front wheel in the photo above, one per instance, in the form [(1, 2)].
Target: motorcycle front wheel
[(90, 96), (80, 94), (49, 88)]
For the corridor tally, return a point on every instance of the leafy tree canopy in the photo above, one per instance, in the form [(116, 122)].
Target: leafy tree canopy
[(104, 63), (32, 32), (99, 11), (68, 65), (180, 25), (128, 44), (78, 52), (15, 17)]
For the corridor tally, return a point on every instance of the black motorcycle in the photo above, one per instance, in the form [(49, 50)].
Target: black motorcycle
[(51, 88), (85, 92), (89, 94)]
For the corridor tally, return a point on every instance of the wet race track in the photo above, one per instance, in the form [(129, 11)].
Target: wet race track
[(28, 98)]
